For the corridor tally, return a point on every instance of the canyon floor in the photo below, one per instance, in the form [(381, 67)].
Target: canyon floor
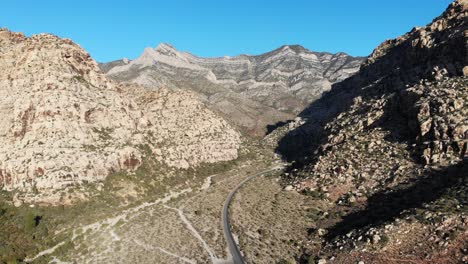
[(182, 225)]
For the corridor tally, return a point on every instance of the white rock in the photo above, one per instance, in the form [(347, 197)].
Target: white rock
[(64, 123)]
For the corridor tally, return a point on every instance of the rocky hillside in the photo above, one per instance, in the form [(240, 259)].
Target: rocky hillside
[(251, 91), (65, 123), (387, 148)]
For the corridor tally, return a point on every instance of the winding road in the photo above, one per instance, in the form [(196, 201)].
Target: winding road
[(232, 245)]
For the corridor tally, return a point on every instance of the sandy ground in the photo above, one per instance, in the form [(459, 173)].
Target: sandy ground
[(185, 226)]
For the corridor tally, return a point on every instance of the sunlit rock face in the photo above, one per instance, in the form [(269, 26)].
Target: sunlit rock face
[(250, 91), (65, 123)]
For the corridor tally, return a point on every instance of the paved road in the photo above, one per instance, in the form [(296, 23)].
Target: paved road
[(233, 249)]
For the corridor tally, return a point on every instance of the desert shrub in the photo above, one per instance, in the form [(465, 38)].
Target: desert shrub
[(31, 221), (313, 193)]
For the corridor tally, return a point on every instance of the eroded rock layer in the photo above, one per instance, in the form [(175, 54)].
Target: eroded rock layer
[(250, 91), (64, 123)]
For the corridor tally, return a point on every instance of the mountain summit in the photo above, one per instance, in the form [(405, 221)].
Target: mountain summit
[(65, 124), (250, 91)]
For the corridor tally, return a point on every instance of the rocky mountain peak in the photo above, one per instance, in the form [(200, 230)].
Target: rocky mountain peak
[(169, 50), (163, 53), (298, 49), (64, 123), (252, 92), (166, 48), (425, 48), (147, 58)]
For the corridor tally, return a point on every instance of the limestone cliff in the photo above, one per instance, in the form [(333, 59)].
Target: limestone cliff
[(252, 92), (65, 123)]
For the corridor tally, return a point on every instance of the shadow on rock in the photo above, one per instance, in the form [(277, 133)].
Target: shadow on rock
[(394, 66), (386, 205)]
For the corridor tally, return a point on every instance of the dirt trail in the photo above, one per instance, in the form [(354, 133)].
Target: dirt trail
[(147, 247), (108, 223), (195, 233)]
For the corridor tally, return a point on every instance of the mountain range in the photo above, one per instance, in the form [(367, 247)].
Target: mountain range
[(252, 92), (291, 156)]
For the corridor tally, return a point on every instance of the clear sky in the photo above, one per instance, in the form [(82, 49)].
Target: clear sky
[(111, 30)]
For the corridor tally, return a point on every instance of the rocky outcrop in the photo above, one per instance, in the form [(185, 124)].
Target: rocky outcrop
[(437, 117), (390, 139), (65, 123), (250, 91), (435, 50), (409, 84), (181, 131)]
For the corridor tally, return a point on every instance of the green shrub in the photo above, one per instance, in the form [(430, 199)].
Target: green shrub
[(31, 220)]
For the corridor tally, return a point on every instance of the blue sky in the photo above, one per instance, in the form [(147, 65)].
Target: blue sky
[(110, 30)]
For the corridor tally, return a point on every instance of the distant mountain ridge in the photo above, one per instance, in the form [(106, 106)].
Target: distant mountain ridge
[(250, 91)]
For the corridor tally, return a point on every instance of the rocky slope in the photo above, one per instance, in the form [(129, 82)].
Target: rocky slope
[(65, 123), (251, 91), (388, 149)]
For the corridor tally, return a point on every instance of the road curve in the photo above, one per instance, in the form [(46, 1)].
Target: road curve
[(232, 246)]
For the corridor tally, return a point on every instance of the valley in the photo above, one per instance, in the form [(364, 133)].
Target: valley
[(183, 225), (291, 156)]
